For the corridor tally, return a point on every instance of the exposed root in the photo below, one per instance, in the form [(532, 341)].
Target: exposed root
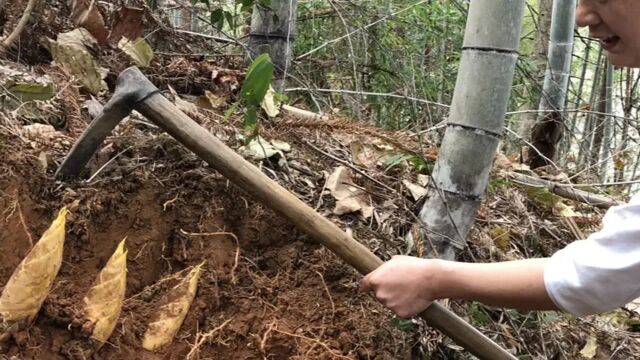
[(333, 305), (24, 225), (202, 338), (333, 353), (236, 257)]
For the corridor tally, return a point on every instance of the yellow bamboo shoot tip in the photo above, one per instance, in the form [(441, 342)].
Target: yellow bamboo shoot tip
[(103, 302), (171, 314), (31, 282)]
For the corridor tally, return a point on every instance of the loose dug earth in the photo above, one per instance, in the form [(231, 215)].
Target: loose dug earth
[(266, 291)]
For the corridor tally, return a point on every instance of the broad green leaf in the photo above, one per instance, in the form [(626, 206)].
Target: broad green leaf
[(32, 91), (229, 16), (258, 80), (138, 50)]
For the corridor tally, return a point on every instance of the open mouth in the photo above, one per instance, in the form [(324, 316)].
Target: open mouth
[(609, 42)]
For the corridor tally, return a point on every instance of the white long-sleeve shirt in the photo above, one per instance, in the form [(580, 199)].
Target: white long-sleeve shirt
[(602, 272)]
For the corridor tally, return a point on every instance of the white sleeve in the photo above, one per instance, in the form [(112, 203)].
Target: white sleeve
[(602, 272)]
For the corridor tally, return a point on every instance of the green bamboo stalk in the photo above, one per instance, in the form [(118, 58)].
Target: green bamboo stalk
[(549, 127), (474, 127)]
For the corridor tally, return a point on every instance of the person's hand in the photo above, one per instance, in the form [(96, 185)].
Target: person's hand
[(404, 284)]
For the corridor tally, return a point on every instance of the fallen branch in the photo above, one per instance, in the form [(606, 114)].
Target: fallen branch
[(566, 191), (9, 40)]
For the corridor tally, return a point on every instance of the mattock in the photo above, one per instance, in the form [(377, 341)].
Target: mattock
[(135, 92)]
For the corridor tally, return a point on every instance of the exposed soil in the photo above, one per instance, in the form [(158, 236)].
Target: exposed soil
[(274, 293)]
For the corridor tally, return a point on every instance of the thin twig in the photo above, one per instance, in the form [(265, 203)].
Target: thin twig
[(367, 93), (107, 164), (206, 36), (9, 40)]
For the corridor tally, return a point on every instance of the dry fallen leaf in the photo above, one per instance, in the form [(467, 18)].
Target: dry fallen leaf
[(350, 198), (103, 302), (40, 132), (590, 348), (71, 52), (170, 315), (31, 282), (138, 50), (128, 23), (85, 14), (416, 191), (185, 106), (269, 104)]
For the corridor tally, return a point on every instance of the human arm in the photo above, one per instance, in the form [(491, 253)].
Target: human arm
[(586, 277), (408, 285)]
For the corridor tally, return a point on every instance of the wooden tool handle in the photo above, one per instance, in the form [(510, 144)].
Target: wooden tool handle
[(248, 177)]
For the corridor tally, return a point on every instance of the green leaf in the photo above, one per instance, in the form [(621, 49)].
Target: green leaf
[(403, 324), (477, 313), (138, 50), (231, 110), (250, 124), (259, 76), (542, 196), (395, 160), (217, 18)]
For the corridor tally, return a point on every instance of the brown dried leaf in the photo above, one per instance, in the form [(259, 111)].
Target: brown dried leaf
[(85, 13), (128, 24), (184, 105), (30, 283), (350, 198), (416, 190), (171, 314), (103, 302)]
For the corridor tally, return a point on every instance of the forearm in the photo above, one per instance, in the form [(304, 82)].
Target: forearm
[(514, 284)]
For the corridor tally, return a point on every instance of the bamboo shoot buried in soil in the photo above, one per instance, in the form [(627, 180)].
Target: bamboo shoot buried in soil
[(103, 302), (31, 282), (171, 314)]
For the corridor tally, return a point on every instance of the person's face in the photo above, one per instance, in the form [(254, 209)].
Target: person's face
[(616, 23)]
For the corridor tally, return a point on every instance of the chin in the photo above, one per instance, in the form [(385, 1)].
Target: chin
[(624, 61)]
